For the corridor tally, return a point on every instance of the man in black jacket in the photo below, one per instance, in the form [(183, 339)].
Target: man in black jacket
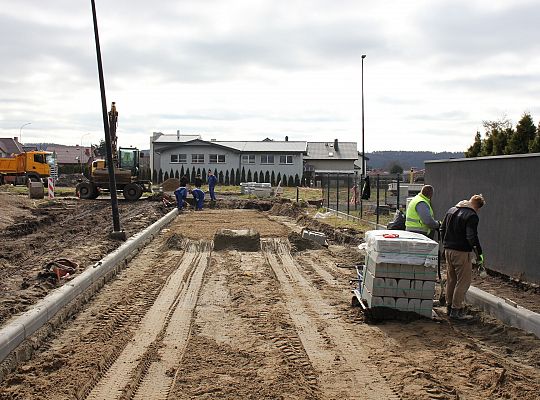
[(459, 233)]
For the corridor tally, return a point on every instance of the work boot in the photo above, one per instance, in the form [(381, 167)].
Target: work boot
[(459, 314)]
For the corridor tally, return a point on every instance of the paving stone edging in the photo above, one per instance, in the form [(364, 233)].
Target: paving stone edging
[(509, 314), (21, 328)]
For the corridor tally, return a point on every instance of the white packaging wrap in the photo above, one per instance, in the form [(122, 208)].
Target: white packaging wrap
[(401, 247)]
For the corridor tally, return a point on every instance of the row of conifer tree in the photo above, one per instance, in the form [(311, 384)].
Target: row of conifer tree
[(229, 177)]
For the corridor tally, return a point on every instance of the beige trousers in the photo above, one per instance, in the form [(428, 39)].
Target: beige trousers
[(458, 276)]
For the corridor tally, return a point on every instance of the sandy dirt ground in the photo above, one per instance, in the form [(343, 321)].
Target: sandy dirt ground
[(184, 321), (35, 232)]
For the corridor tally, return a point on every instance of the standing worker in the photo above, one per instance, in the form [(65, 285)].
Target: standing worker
[(212, 180), (419, 215), (198, 195), (459, 232), (181, 195)]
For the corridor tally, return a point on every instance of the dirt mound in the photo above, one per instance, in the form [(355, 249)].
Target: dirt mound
[(298, 243), (351, 236), (237, 239), (170, 185), (261, 205), (174, 242), (287, 209)]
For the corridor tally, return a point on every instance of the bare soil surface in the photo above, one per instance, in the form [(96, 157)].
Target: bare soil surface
[(183, 321), (525, 295), (35, 232)]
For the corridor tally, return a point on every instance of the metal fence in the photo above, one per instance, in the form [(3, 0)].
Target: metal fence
[(348, 195)]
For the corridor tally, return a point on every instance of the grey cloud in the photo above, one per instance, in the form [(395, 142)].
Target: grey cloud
[(459, 28), (442, 116), (496, 82), (223, 57)]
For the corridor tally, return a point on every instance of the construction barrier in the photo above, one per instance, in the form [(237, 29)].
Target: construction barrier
[(50, 184)]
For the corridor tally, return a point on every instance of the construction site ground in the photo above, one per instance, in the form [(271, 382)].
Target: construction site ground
[(183, 321)]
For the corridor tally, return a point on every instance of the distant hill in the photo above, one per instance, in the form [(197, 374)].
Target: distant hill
[(406, 159)]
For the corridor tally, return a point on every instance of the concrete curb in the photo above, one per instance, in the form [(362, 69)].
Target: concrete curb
[(517, 316), (22, 327)]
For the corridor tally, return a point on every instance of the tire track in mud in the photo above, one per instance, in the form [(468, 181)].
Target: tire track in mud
[(243, 342), (335, 353), (144, 368), (427, 359), (91, 341)]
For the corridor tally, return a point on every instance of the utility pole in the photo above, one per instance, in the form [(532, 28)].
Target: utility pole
[(117, 233), (363, 174)]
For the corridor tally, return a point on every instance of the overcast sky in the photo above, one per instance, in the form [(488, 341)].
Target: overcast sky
[(250, 69)]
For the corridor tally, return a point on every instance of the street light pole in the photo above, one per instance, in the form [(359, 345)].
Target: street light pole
[(363, 153), (20, 131)]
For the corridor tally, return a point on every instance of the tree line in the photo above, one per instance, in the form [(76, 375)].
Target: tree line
[(230, 177), (501, 138)]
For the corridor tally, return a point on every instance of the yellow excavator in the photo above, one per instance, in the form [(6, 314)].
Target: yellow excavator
[(126, 170)]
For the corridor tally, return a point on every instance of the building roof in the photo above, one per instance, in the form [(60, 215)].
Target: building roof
[(69, 154), (326, 151), (11, 146), (265, 146), (175, 138)]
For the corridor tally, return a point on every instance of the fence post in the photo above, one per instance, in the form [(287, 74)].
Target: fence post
[(397, 202), (328, 191), (360, 193), (378, 211), (337, 192), (348, 194)]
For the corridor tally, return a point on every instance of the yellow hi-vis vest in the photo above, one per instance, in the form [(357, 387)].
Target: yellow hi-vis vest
[(412, 220)]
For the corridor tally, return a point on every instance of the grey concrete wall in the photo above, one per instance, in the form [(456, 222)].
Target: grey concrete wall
[(509, 227)]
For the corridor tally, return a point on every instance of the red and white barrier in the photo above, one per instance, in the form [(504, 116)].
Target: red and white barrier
[(51, 187)]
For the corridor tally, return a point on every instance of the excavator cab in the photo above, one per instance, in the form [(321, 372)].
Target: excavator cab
[(128, 158)]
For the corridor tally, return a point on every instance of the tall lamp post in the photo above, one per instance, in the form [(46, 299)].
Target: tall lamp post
[(20, 131), (363, 153)]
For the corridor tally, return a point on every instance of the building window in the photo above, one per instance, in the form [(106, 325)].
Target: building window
[(197, 158), (217, 158), (248, 159), (178, 158), (267, 159), (285, 159)]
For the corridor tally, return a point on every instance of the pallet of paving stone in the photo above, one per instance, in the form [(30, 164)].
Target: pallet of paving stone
[(401, 247)]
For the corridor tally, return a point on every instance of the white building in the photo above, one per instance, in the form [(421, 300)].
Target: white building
[(237, 161)]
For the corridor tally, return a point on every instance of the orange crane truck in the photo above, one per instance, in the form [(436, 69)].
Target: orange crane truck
[(31, 165)]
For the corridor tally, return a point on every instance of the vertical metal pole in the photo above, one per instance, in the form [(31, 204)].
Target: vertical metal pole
[(297, 194), (348, 194), (378, 211), (328, 191), (363, 149), (337, 192), (112, 179), (397, 202), (355, 196)]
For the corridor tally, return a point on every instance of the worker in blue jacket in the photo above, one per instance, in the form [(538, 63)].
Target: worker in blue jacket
[(212, 180), (198, 195), (181, 195)]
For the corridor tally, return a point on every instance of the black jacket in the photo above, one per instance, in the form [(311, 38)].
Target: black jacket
[(459, 229)]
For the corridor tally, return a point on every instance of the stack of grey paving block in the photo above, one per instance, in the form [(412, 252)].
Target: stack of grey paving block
[(400, 271)]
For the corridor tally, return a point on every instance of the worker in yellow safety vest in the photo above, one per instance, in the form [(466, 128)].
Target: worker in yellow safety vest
[(419, 215)]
